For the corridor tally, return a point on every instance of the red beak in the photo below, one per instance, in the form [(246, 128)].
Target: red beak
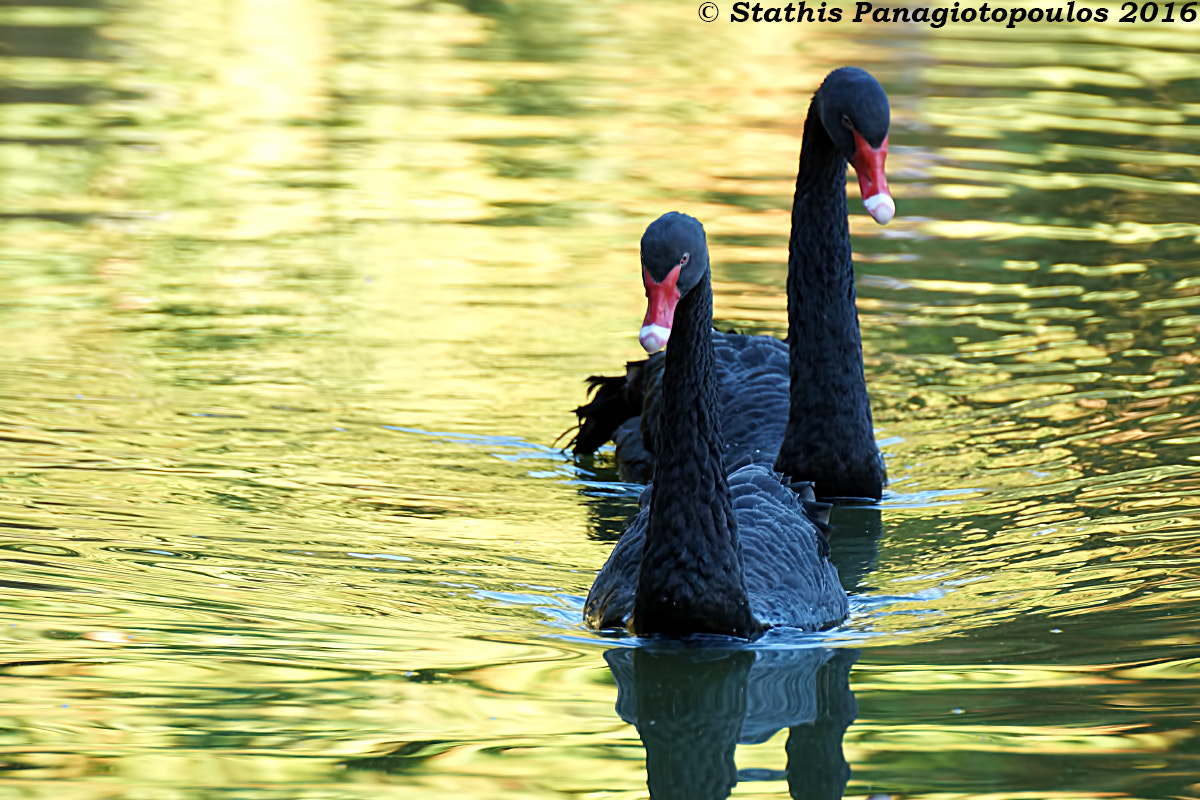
[(661, 299), (872, 183)]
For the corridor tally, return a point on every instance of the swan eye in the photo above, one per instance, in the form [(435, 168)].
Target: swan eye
[(846, 123), (686, 257)]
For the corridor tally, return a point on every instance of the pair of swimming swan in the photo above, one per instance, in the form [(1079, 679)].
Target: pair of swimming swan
[(727, 550)]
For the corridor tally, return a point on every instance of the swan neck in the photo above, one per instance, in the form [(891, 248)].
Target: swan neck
[(690, 430), (829, 426), (692, 577)]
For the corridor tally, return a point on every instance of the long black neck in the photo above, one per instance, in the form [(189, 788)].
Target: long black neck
[(691, 578), (829, 437)]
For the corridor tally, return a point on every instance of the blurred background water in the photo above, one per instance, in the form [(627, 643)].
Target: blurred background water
[(297, 298)]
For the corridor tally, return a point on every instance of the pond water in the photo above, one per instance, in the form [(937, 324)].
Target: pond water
[(297, 298)]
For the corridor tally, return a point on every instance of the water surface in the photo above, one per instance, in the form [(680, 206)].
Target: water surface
[(297, 298)]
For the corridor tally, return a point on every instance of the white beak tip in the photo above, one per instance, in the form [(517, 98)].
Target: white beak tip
[(653, 337), (881, 207)]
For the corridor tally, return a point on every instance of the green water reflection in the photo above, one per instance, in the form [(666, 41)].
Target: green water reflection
[(297, 298)]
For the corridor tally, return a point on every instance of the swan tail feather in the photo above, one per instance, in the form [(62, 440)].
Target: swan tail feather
[(614, 400)]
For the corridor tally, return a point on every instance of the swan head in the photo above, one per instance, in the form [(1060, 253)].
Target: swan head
[(674, 259), (855, 113)]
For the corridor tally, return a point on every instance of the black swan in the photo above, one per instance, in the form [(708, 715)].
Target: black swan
[(801, 405), (708, 553)]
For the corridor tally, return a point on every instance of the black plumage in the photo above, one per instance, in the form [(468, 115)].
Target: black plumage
[(800, 405), (710, 552)]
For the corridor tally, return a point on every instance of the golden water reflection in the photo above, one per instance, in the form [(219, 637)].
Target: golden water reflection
[(297, 297)]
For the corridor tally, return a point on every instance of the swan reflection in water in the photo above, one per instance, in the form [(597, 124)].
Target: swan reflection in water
[(692, 706)]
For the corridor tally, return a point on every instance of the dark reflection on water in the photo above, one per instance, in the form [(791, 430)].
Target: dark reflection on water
[(854, 543), (692, 707)]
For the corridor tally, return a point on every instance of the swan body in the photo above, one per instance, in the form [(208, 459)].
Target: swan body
[(789, 579), (800, 406), (710, 551)]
